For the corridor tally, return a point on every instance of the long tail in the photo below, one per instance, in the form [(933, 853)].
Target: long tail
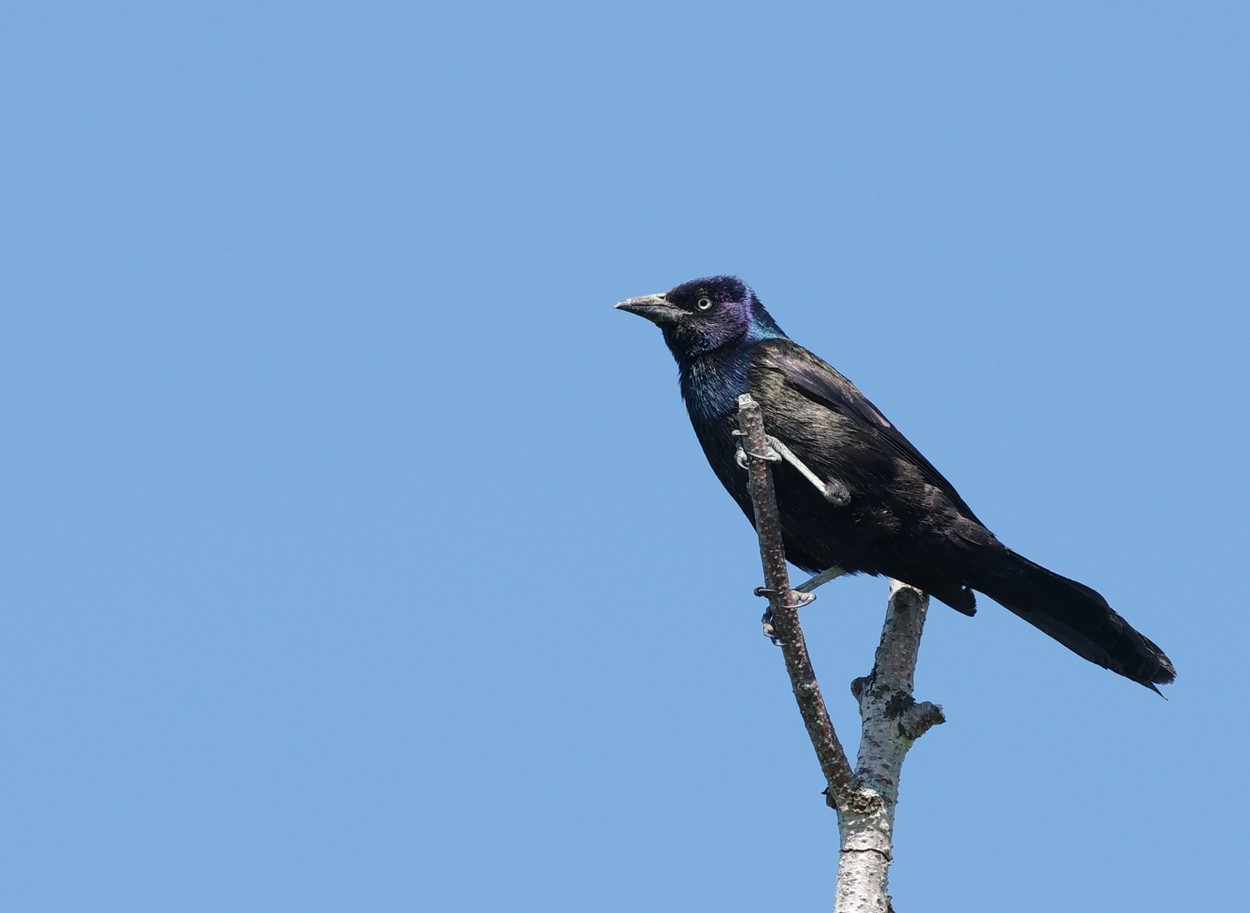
[(1071, 613)]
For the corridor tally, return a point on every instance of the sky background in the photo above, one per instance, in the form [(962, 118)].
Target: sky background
[(358, 556)]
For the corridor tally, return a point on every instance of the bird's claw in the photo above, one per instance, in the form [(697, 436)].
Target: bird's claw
[(800, 600), (741, 454)]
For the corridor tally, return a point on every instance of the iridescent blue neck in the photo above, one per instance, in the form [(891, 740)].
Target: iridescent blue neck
[(712, 382), (762, 327)]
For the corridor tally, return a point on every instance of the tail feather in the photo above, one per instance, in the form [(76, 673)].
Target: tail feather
[(1071, 613)]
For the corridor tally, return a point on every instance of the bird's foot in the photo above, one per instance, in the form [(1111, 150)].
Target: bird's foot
[(740, 453), (800, 600)]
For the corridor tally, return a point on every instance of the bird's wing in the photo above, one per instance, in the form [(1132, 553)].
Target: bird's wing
[(821, 383)]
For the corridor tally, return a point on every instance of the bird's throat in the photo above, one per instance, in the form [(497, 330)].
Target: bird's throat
[(711, 384)]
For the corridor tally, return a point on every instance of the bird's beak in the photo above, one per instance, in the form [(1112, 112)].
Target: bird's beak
[(655, 308)]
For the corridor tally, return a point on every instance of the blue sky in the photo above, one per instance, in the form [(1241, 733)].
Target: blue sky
[(359, 556)]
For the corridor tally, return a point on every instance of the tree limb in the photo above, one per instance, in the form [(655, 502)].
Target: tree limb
[(892, 721), (784, 602), (864, 799)]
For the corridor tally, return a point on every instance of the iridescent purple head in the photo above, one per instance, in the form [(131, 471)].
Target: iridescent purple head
[(703, 315)]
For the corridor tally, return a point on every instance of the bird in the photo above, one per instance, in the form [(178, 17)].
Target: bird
[(854, 495)]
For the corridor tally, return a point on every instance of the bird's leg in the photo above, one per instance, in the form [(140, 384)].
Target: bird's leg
[(800, 600), (807, 586), (833, 491)]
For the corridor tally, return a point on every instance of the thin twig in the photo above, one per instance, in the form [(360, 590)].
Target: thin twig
[(784, 605)]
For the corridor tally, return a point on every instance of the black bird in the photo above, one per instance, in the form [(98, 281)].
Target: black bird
[(898, 515)]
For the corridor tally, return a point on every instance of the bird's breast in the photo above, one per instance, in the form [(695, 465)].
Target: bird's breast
[(711, 387)]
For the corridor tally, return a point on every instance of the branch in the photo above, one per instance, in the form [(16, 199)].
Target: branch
[(783, 605), (892, 720)]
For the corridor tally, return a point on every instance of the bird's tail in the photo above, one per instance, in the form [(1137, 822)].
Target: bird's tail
[(1071, 613)]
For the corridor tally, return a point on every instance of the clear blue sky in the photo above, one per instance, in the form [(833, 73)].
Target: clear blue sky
[(358, 556)]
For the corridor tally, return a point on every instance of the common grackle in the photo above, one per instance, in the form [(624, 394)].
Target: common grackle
[(853, 493)]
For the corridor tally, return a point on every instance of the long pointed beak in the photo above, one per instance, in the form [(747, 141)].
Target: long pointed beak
[(655, 308)]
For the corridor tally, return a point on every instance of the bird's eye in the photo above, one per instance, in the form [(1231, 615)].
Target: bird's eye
[(704, 304)]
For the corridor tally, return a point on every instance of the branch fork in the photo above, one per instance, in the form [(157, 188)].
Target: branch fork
[(864, 798)]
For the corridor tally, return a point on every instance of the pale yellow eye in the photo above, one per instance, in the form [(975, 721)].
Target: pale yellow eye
[(704, 304)]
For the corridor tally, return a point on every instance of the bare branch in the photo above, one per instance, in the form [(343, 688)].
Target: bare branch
[(892, 721), (865, 799), (784, 603)]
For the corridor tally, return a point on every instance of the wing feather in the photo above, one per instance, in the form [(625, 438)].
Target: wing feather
[(821, 383)]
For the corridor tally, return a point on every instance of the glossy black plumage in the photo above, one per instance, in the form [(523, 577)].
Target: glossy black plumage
[(903, 519)]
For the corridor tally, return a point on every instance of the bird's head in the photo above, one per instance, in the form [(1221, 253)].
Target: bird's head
[(702, 315)]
